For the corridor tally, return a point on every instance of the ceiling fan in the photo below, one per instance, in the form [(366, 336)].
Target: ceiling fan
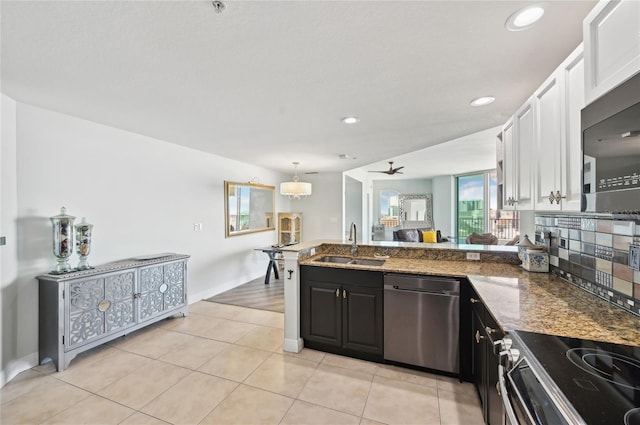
[(391, 171)]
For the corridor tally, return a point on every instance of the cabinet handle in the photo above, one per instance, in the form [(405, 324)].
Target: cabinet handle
[(511, 201), (337, 293), (478, 337), (474, 300), (552, 197), (559, 197), (489, 330), (344, 293)]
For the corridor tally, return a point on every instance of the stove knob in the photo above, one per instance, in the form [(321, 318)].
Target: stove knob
[(503, 344), (507, 343), (510, 356), (514, 355)]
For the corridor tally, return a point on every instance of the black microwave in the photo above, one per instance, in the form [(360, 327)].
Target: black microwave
[(611, 151)]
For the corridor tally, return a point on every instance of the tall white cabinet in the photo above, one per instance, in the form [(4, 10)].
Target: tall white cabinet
[(558, 138)]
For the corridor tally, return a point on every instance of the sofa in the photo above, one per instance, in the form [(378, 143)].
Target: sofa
[(415, 235)]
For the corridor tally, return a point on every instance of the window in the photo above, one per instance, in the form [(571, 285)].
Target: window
[(389, 208), (477, 208)]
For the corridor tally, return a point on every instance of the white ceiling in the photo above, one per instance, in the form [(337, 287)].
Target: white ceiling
[(267, 82)]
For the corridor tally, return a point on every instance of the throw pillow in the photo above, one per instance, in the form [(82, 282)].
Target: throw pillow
[(408, 235), (430, 236)]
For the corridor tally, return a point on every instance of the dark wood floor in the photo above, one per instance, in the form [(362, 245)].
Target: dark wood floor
[(255, 294)]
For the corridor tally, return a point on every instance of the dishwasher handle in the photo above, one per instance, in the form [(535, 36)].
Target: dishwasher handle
[(422, 291)]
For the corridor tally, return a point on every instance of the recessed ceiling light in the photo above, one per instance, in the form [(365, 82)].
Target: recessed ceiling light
[(482, 101), (524, 18), (350, 120)]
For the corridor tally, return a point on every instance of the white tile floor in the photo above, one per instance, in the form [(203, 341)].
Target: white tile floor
[(225, 365)]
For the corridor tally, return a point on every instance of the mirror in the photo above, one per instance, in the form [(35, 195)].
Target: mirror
[(416, 210), (249, 208)]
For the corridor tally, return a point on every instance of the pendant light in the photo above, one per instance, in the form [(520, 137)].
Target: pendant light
[(295, 189)]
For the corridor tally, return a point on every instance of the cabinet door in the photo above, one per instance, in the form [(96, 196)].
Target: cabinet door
[(321, 312), (524, 154), (479, 354), (571, 185), (99, 306), (151, 296), (162, 287), (509, 166), (549, 144), (611, 33), (174, 295), (362, 319)]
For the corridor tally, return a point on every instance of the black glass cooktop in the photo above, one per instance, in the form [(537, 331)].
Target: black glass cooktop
[(601, 380)]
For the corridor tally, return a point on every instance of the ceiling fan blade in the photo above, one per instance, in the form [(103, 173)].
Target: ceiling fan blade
[(395, 170)]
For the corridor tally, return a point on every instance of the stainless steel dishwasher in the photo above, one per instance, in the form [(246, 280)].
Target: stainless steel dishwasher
[(422, 321)]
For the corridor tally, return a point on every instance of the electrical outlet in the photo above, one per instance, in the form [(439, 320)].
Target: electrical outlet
[(473, 256), (634, 257), (197, 227)]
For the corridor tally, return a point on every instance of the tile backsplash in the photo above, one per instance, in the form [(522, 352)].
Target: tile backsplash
[(592, 252)]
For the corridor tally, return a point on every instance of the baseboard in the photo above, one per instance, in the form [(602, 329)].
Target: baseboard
[(203, 295), (293, 345), (16, 366)]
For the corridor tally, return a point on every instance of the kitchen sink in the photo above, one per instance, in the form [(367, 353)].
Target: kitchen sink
[(349, 260), (366, 262), (334, 259)]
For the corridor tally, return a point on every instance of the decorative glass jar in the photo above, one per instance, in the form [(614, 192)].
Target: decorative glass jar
[(62, 240), (83, 243)]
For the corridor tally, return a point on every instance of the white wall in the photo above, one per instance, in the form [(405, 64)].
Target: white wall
[(353, 207), (444, 204), (9, 361), (143, 196), (322, 211)]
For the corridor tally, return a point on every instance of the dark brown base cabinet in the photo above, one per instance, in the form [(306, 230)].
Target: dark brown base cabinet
[(485, 361), (341, 311)]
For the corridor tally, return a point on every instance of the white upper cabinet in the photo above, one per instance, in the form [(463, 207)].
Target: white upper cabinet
[(548, 143), (558, 137), (509, 167), (525, 158), (571, 159), (611, 34), (517, 141)]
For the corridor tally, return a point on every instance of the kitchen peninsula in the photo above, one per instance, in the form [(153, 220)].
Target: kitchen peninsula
[(517, 299)]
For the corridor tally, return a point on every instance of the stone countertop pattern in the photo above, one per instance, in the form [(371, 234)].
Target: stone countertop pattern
[(521, 300)]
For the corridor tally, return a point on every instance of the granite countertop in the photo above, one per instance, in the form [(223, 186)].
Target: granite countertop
[(521, 300)]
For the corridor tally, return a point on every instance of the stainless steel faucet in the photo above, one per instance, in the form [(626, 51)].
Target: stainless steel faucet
[(354, 239)]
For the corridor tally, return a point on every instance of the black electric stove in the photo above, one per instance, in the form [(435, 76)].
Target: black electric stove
[(600, 381)]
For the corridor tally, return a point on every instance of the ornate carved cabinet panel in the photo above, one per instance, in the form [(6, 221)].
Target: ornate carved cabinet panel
[(161, 288), (99, 305), (83, 309)]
